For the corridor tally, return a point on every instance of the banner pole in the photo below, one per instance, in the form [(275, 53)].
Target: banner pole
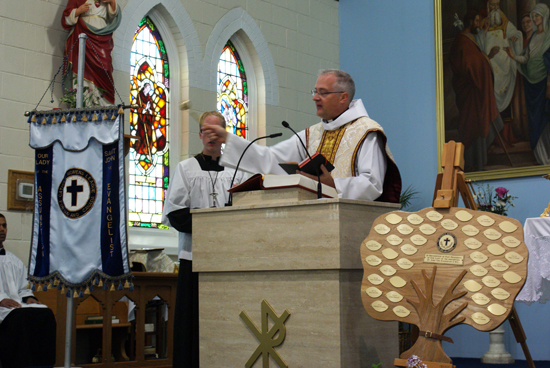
[(79, 97), (80, 76)]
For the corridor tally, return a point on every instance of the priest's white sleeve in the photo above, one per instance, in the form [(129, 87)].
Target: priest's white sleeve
[(262, 159), (370, 169)]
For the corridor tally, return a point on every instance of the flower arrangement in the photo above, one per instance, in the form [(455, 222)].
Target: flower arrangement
[(89, 98), (495, 201), (415, 362)]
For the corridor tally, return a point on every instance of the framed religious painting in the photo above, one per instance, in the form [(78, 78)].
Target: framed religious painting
[(493, 86)]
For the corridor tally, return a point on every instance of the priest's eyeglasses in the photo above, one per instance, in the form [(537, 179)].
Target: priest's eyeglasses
[(323, 93)]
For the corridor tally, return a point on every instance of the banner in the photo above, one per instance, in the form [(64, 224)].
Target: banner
[(79, 235)]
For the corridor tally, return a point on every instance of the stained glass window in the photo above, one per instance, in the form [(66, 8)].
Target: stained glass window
[(149, 122), (233, 91)]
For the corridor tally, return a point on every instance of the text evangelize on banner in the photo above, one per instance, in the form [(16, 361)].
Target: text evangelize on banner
[(79, 232)]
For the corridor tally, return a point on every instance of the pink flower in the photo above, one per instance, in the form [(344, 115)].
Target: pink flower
[(501, 192)]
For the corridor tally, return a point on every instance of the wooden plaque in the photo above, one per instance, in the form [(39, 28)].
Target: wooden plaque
[(455, 266)]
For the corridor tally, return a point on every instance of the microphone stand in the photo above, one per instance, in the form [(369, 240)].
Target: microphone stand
[(319, 187), (230, 199)]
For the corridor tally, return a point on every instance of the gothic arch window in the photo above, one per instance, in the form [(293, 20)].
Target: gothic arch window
[(149, 122), (232, 91)]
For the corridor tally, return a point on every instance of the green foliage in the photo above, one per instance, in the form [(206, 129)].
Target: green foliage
[(88, 98), (407, 196)]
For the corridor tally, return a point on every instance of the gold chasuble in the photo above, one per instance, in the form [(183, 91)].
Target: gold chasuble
[(340, 147)]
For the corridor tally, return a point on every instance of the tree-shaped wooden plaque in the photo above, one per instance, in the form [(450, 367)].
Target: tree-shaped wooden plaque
[(440, 267)]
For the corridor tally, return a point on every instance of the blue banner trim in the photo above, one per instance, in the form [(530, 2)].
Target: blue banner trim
[(111, 250), (42, 201)]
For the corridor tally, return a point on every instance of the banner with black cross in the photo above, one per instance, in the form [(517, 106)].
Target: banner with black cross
[(79, 237)]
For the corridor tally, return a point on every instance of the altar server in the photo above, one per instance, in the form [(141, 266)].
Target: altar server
[(199, 182), (27, 328)]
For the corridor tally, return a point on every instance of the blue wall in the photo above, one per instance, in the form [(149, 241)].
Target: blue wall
[(388, 48)]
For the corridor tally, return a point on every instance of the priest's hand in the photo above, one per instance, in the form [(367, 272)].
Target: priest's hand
[(215, 133), (325, 176), (9, 303)]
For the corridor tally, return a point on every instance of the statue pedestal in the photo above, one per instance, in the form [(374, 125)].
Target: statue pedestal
[(301, 257), (497, 353)]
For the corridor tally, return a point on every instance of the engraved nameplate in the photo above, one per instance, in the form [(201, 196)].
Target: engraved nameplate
[(444, 259)]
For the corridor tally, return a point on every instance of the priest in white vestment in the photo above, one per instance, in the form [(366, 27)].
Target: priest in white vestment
[(347, 137), (498, 31), (27, 328)]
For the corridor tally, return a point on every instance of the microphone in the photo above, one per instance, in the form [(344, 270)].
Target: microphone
[(230, 199), (319, 187)]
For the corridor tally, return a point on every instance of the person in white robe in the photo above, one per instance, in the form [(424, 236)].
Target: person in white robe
[(353, 143), (198, 182), (498, 31), (27, 328)]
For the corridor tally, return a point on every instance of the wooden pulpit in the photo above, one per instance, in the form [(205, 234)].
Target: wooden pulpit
[(280, 284)]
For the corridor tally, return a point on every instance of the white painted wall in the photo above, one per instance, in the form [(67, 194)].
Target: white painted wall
[(287, 42)]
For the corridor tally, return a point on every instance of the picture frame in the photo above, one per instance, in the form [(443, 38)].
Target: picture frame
[(518, 159)]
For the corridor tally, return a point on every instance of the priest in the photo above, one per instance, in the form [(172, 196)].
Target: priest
[(27, 328), (199, 182), (347, 137)]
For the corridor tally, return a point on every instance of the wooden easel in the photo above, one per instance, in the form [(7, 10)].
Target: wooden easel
[(447, 186), (452, 180)]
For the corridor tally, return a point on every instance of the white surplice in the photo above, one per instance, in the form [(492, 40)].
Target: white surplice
[(13, 283), (191, 187)]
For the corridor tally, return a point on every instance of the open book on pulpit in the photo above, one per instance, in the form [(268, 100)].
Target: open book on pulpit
[(277, 189)]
